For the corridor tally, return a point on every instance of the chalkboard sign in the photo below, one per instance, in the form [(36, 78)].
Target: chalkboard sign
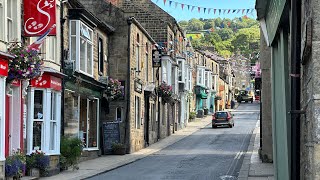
[(110, 134)]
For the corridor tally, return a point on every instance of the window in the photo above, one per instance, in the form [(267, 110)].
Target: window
[(81, 48), (100, 55), (206, 79), (119, 114), (181, 70), (44, 118), (71, 114), (146, 73), (9, 20), (38, 120), (53, 121), (166, 67), (48, 49), (138, 54), (89, 122), (137, 112), (200, 76)]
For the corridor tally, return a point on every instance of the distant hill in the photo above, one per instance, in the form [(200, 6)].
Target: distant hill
[(227, 36)]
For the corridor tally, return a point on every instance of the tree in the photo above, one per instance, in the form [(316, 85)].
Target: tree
[(244, 38), (183, 24), (195, 24), (209, 24), (225, 33)]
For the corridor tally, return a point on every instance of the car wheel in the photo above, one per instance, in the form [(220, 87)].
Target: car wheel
[(233, 124), (230, 126), (214, 126)]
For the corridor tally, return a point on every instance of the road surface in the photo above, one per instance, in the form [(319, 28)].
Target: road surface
[(214, 154)]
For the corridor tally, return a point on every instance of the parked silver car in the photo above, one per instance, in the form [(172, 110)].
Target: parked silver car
[(222, 118)]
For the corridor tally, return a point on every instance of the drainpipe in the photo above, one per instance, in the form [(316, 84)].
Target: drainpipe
[(295, 88), (127, 134), (62, 21)]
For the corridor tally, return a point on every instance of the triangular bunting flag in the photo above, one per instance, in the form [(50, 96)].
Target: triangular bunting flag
[(214, 11), (204, 10), (170, 2), (176, 4), (199, 8), (182, 5), (164, 2), (224, 11), (252, 11), (209, 10), (219, 11), (248, 11), (229, 11), (243, 11), (234, 11), (188, 7), (192, 8), (238, 11)]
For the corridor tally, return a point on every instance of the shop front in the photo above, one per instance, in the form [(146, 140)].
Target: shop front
[(3, 75), (44, 117), (82, 102)]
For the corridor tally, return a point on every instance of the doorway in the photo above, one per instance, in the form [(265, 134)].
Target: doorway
[(147, 120)]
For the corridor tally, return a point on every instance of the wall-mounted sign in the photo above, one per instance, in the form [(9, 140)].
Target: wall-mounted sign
[(3, 67), (39, 16), (156, 58), (138, 86), (47, 81)]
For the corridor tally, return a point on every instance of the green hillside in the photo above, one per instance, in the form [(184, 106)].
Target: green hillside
[(227, 36)]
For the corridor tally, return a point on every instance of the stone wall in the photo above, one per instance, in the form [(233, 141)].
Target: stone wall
[(310, 99), (266, 152)]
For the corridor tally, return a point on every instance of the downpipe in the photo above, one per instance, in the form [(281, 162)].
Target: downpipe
[(295, 112)]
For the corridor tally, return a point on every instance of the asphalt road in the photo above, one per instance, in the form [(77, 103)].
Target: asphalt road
[(214, 154)]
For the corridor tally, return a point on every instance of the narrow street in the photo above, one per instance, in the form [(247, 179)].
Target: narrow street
[(206, 154)]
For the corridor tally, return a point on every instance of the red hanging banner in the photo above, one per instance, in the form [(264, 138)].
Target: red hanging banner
[(39, 16)]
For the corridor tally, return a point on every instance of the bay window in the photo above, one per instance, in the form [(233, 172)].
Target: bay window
[(44, 121), (200, 75), (81, 48), (166, 66), (181, 71)]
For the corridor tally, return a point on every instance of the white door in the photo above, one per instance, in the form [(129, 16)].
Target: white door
[(2, 117), (15, 119)]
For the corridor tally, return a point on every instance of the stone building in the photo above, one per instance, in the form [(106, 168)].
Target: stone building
[(85, 46), (292, 34)]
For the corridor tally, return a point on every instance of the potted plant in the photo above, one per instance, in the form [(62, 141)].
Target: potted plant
[(192, 116), (37, 164), (15, 165), (118, 148), (71, 150)]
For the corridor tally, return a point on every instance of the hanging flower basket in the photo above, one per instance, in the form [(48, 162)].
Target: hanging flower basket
[(164, 90), (26, 64), (114, 89)]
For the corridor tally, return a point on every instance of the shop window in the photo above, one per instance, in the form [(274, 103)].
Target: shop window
[(37, 120), (45, 107), (11, 20), (89, 122), (81, 47)]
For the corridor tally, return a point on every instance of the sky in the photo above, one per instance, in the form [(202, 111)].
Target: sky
[(185, 14)]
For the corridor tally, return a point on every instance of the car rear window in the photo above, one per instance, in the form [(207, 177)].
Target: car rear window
[(221, 115)]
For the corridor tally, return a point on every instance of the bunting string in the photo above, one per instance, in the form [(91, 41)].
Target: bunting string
[(208, 10)]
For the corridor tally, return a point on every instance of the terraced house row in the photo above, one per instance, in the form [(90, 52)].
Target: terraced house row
[(124, 67)]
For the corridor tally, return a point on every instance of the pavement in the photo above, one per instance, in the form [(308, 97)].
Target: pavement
[(251, 169)]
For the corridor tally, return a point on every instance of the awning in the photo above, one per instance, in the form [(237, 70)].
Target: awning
[(202, 95)]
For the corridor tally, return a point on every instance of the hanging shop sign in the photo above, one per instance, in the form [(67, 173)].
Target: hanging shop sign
[(3, 67), (138, 86), (156, 58), (47, 81), (39, 16)]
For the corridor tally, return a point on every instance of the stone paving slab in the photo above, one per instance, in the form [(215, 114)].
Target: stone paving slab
[(107, 163)]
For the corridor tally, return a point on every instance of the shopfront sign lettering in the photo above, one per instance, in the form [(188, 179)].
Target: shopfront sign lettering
[(3, 68), (47, 81), (39, 16)]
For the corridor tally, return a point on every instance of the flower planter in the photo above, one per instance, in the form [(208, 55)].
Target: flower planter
[(120, 151), (34, 172)]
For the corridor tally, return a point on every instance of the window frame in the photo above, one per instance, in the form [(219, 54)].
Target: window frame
[(46, 121), (79, 37), (100, 56), (137, 112)]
